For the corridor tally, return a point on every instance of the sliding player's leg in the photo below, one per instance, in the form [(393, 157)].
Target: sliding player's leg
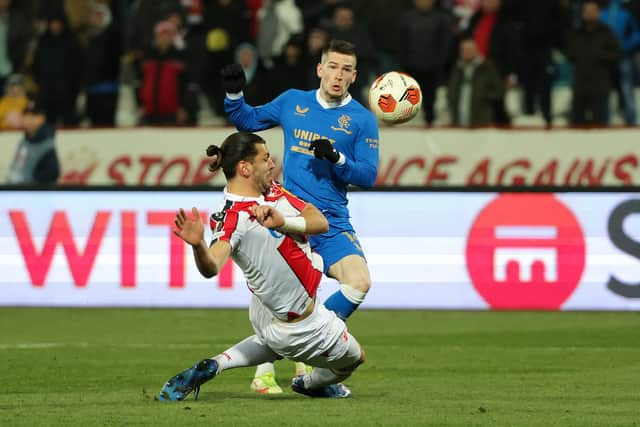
[(248, 352), (328, 372)]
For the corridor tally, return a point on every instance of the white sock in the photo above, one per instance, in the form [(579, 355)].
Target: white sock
[(265, 368), (352, 294), (248, 352)]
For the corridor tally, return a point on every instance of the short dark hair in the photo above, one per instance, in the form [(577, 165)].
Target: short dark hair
[(339, 46), (235, 148)]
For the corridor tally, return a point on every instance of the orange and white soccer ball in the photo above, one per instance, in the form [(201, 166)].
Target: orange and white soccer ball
[(395, 97)]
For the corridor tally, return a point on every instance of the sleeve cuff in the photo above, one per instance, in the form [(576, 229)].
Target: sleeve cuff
[(341, 160), (235, 96)]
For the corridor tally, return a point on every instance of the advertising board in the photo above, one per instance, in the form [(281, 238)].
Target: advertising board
[(569, 251)]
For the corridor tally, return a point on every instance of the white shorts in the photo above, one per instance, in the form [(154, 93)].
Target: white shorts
[(320, 340)]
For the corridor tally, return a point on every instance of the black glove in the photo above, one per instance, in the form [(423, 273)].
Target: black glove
[(233, 79), (323, 149)]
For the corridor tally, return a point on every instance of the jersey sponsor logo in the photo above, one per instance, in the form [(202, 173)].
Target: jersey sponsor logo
[(307, 135), (344, 122), (526, 251), (275, 234), (301, 111)]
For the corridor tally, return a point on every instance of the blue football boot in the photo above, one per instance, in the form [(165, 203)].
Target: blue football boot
[(179, 386)]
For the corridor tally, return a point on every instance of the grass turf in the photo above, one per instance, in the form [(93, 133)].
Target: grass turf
[(96, 367)]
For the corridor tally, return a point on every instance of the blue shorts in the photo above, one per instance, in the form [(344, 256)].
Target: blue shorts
[(340, 241)]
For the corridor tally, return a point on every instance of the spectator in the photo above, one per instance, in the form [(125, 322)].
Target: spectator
[(541, 24), (194, 10), (189, 40), (35, 161), (463, 10), (497, 39), (57, 70), (17, 35), (227, 24), (76, 12), (253, 6), (13, 103), (383, 22), (474, 87), (594, 51), (426, 37), (279, 20), (102, 67), (625, 26), (164, 85), (317, 39), (143, 16), (344, 27), (255, 91), (314, 12), (290, 69)]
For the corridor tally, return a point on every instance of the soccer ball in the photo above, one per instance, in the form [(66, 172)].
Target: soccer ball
[(395, 97)]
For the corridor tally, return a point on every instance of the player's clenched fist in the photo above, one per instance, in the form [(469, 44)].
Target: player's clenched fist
[(233, 78), (267, 216), (323, 149)]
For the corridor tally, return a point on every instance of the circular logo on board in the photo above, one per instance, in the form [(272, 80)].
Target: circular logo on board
[(525, 251)]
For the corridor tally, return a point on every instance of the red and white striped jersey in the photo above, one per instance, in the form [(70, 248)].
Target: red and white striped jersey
[(281, 270)]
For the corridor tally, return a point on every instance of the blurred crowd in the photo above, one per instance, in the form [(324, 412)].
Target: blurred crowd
[(74, 56)]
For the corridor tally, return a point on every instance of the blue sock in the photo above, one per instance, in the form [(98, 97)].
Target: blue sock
[(340, 305)]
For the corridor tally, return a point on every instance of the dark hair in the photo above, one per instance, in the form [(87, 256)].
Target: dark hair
[(339, 46), (235, 148)]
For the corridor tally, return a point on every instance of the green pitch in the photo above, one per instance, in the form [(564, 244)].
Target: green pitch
[(97, 367)]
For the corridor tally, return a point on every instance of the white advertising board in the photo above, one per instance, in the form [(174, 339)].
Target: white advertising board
[(570, 251)]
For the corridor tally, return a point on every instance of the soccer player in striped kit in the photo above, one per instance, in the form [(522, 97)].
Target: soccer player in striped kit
[(264, 228)]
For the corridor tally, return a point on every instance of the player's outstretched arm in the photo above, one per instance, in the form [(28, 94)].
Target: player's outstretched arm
[(246, 117), (208, 260)]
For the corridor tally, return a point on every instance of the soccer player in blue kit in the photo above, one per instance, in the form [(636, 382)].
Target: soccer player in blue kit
[(330, 142)]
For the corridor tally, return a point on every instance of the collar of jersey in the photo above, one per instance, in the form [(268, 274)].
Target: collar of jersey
[(238, 198), (324, 104)]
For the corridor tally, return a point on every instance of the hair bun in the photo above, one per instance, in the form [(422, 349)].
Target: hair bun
[(213, 150)]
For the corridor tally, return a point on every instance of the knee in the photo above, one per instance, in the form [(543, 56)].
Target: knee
[(349, 369)]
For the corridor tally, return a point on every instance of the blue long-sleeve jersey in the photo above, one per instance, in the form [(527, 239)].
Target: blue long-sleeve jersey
[(351, 128)]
